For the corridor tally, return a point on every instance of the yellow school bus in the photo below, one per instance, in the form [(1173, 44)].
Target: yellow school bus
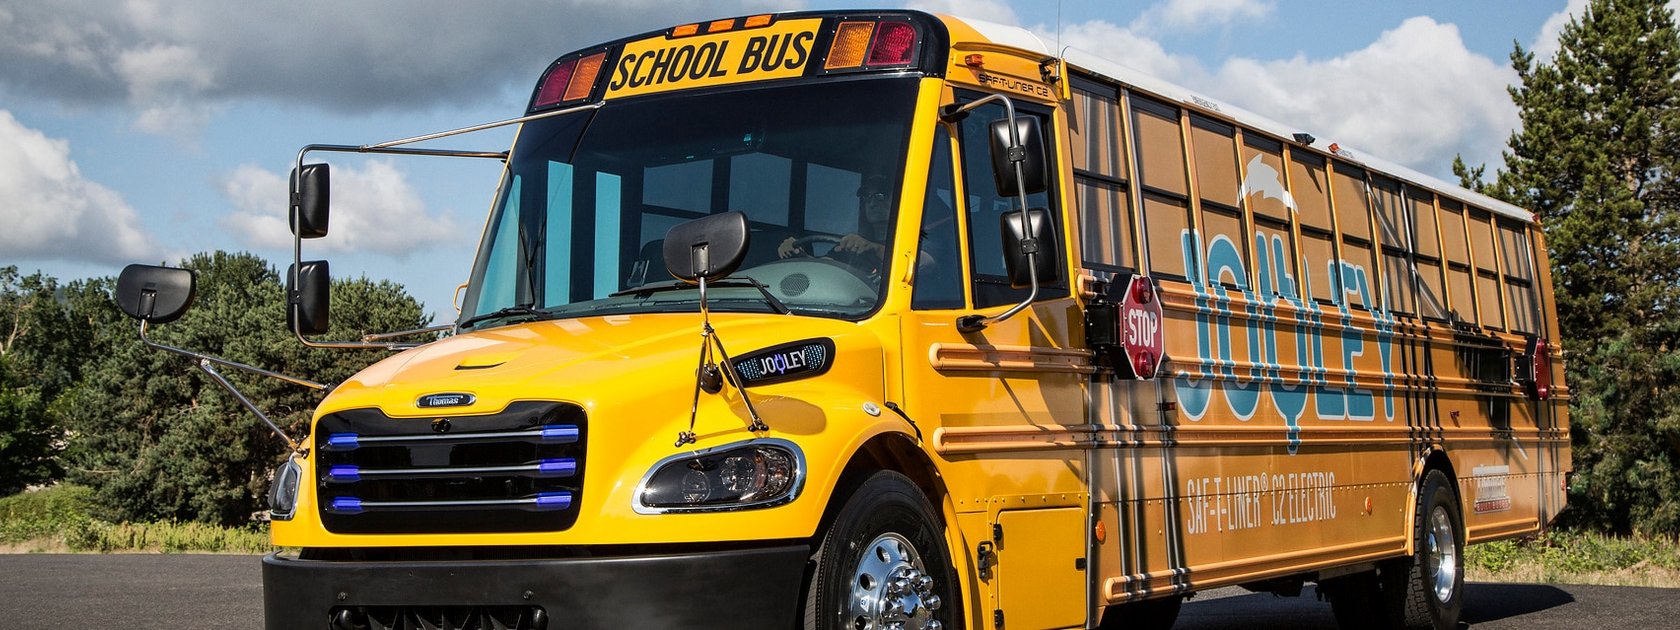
[(889, 320)]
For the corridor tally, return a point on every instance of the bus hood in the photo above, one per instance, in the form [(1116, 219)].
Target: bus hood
[(593, 362)]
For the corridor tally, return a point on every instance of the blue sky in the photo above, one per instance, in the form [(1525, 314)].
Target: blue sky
[(146, 130)]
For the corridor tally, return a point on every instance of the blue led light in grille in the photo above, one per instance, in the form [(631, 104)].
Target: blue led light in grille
[(343, 442), (565, 467), (346, 505), (554, 501), (344, 474), (560, 433)]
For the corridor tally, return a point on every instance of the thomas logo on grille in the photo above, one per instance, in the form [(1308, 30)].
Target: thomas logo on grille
[(786, 362)]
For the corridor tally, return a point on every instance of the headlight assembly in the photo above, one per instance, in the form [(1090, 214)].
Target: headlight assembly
[(752, 474), (283, 494)]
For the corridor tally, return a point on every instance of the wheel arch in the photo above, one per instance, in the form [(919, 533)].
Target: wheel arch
[(1433, 458)]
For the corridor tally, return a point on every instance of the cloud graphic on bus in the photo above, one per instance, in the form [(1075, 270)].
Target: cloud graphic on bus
[(1264, 180)]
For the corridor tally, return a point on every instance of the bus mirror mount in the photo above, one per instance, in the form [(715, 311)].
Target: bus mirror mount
[(311, 189), (307, 290), (1024, 148)]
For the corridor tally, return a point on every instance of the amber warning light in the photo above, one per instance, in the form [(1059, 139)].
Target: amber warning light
[(569, 80), (871, 45)]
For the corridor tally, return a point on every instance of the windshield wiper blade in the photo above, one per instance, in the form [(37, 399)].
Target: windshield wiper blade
[(512, 311), (733, 282)]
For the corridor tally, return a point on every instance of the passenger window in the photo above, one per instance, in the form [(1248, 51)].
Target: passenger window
[(938, 255), (1272, 213), (1460, 275), (1357, 272), (1397, 234), (985, 209), (1102, 179), (1432, 300), (1217, 185), (1487, 269), (1519, 277), (1310, 187), (1166, 192)]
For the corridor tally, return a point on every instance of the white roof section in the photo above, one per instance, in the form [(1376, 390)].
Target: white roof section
[(1024, 39)]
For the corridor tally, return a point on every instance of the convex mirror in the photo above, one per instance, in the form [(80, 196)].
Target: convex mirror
[(311, 189), (710, 247), (153, 294), (1035, 176)]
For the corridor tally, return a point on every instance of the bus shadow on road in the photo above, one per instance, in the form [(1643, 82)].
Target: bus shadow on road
[(1484, 603), (1234, 608)]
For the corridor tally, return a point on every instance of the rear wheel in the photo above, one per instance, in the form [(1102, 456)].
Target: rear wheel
[(1423, 591), (882, 563)]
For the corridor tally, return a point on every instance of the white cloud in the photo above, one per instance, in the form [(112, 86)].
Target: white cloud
[(1417, 95), (1127, 45), (176, 63), (1196, 15), (374, 209), (51, 212), (988, 10)]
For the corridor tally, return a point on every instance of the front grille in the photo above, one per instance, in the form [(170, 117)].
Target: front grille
[(520, 470), (439, 618)]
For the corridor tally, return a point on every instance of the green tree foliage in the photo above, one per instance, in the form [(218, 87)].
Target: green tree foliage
[(45, 337), (157, 439), (1596, 160)]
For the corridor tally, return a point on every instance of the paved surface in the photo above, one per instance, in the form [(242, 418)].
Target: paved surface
[(185, 592)]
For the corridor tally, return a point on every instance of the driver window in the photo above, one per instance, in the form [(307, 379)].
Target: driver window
[(985, 208)]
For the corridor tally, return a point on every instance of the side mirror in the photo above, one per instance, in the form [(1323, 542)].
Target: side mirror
[(709, 247), (311, 188), (1018, 245), (307, 307), (1030, 154), (153, 294)]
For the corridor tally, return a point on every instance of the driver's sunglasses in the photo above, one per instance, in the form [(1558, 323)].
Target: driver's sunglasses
[(872, 197)]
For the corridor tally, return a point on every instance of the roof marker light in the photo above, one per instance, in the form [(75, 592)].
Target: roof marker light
[(685, 30), (758, 21), (583, 80), (851, 42), (893, 43), (974, 60), (720, 26), (555, 83)]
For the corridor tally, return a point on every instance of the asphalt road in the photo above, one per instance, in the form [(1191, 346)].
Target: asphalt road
[(184, 592)]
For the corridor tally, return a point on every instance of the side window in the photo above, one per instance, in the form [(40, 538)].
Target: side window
[(1397, 234), (1263, 187), (1519, 276), (985, 209), (1310, 188), (1357, 273), (1460, 275), (1218, 186), (1166, 189), (1482, 248), (1432, 299), (1101, 179), (938, 255)]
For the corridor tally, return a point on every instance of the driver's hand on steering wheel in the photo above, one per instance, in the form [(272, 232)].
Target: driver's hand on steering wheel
[(855, 243), (790, 248)]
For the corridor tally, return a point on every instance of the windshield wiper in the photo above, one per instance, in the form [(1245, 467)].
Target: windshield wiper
[(522, 310), (678, 285)]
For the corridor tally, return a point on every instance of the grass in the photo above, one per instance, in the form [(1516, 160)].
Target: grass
[(60, 519), (1574, 557)]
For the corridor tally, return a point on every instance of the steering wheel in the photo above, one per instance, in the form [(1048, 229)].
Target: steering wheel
[(805, 242)]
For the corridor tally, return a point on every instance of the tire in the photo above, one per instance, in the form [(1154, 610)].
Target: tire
[(883, 560), (1149, 614), (1422, 591)]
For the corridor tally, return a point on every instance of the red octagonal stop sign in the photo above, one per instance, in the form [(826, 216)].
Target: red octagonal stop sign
[(1142, 336)]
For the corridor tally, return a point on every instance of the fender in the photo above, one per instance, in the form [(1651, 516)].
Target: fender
[(1420, 467)]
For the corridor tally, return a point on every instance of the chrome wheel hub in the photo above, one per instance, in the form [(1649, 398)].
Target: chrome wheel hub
[(1441, 556), (891, 589)]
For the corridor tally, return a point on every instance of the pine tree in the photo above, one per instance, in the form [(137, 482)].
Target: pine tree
[(1596, 161)]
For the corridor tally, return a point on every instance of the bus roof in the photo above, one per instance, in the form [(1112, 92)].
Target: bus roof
[(1017, 37)]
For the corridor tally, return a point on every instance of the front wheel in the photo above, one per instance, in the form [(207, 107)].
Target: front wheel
[(882, 563)]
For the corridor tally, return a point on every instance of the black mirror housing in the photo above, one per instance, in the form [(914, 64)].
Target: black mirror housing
[(154, 294), (311, 190), (710, 247), (307, 308), (1035, 175), (1040, 245)]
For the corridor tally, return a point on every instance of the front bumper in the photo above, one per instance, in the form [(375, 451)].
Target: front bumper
[(750, 588)]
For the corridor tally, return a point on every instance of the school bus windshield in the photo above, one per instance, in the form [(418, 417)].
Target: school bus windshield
[(579, 225)]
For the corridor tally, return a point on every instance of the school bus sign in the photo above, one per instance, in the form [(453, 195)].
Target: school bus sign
[(660, 64)]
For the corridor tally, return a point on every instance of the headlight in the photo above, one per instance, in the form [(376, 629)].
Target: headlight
[(758, 473), (282, 495)]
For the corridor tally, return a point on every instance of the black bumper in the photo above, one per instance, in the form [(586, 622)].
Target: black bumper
[(754, 588)]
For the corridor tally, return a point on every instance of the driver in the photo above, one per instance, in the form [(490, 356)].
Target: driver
[(862, 249)]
